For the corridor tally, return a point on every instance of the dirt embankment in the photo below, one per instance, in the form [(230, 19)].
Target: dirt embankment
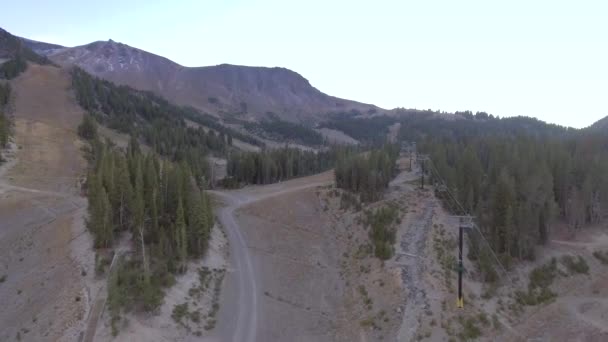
[(45, 256)]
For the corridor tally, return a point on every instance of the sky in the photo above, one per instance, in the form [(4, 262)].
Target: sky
[(546, 59)]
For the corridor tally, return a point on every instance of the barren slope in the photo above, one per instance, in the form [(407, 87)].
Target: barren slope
[(42, 238)]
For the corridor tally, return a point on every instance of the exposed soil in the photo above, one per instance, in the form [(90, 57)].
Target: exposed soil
[(44, 248)]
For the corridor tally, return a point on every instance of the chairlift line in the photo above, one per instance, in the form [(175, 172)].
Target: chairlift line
[(465, 213), (465, 222)]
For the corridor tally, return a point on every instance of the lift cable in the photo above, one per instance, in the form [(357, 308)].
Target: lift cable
[(436, 173)]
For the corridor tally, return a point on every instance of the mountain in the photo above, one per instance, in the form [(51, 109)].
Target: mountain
[(12, 47), (601, 124), (239, 92), (41, 48)]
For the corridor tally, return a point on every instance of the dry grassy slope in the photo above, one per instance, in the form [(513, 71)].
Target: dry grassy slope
[(580, 311), (43, 247), (260, 90)]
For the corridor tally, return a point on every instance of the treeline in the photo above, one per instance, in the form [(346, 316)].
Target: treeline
[(14, 46), (367, 174), (270, 166), (517, 176), (12, 68), (144, 115), (280, 130), (5, 125), (370, 131), (158, 204), (19, 54), (214, 123)]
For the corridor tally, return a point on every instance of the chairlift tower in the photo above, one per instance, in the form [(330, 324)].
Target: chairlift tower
[(464, 222), (412, 152), (422, 158)]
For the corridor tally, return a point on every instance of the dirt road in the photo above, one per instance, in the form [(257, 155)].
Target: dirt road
[(43, 296), (240, 310)]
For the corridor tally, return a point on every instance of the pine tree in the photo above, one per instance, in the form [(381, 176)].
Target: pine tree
[(100, 211), (122, 197), (88, 128), (139, 217), (106, 229), (198, 232), (181, 237)]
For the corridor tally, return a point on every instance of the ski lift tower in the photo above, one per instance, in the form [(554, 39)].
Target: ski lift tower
[(421, 159), (464, 222)]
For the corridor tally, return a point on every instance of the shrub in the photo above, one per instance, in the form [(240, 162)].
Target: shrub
[(179, 311), (538, 288), (575, 266), (483, 318), (544, 275), (383, 233), (495, 322), (88, 128), (470, 331), (602, 256), (195, 316)]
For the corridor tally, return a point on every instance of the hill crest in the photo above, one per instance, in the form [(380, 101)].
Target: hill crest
[(242, 93)]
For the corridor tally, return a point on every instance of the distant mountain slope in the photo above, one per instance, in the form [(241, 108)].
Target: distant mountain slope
[(601, 124), (12, 46), (244, 93), (41, 48)]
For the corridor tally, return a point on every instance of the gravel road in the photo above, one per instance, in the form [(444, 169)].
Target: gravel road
[(239, 321)]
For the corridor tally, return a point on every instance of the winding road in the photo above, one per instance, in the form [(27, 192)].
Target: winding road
[(242, 308)]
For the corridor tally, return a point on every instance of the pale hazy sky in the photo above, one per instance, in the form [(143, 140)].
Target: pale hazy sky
[(547, 59)]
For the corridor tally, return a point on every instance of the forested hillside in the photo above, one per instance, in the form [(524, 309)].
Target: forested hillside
[(367, 174), (284, 131), (270, 166), (517, 176), (146, 116), (370, 131), (18, 54), (158, 204), (13, 47), (12, 68)]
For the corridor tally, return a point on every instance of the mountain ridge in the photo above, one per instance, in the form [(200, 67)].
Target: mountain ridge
[(242, 93), (12, 47), (599, 124)]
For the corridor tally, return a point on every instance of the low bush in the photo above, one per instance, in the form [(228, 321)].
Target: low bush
[(602, 256), (578, 265)]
